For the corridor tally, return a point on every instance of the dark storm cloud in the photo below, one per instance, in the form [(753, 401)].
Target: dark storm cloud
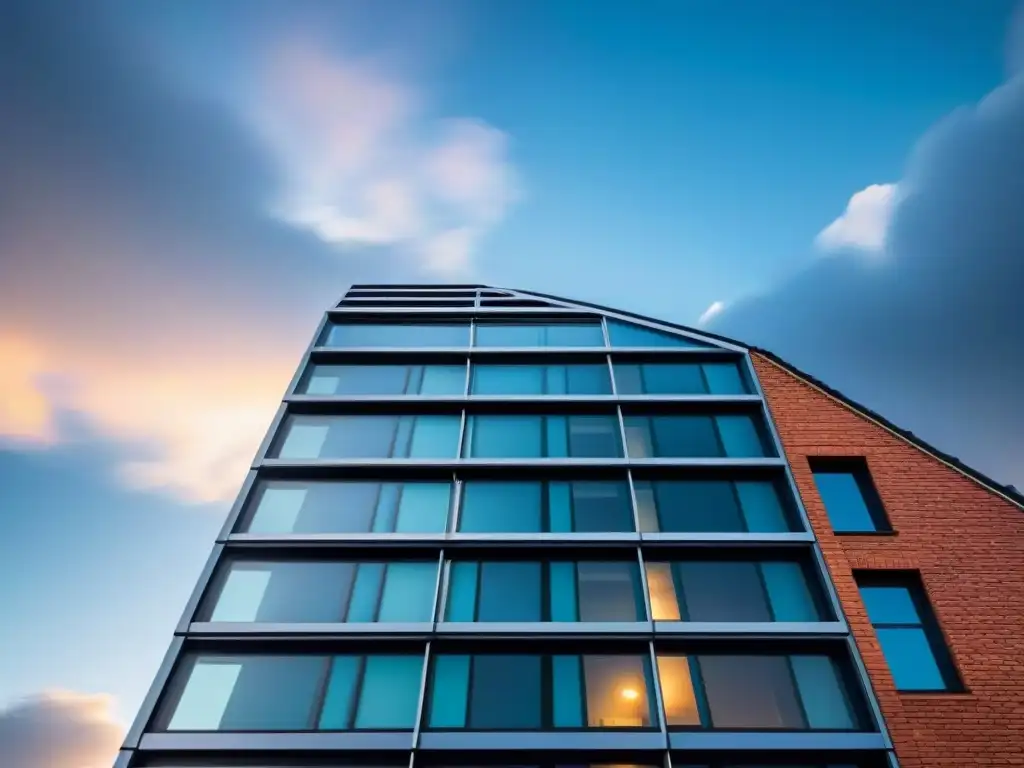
[(930, 332)]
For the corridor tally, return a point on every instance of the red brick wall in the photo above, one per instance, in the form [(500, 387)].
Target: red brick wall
[(968, 545)]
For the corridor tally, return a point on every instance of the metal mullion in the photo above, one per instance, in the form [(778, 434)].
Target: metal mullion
[(467, 387), (422, 702), (656, 682), (440, 591), (634, 505), (320, 697), (645, 586), (464, 429), (455, 506), (796, 691), (611, 374), (605, 333), (622, 431)]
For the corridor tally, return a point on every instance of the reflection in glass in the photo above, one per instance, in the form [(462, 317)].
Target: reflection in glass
[(585, 506), (539, 335), (693, 435), (397, 335), (679, 379), (576, 379), (368, 437), (384, 380), (630, 335), (710, 506), (534, 436)]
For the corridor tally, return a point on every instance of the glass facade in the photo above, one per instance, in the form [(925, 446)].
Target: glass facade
[(490, 528)]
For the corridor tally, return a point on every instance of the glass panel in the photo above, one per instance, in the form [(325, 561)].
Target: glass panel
[(844, 502), (443, 380), (750, 692), (697, 506), (449, 692), (409, 590), (506, 693), (559, 507), (630, 335), (677, 691), (601, 507), (423, 507), (822, 693), (277, 508), (567, 688), (396, 335), (740, 436), (575, 335), (762, 507), (628, 379), (556, 434), (563, 592), (435, 437), (339, 701), (205, 697), (616, 692), (284, 592), (365, 598), (461, 592), (725, 379), (678, 436), (609, 592), (242, 594), (304, 438), (583, 380), (723, 591), (662, 589), (508, 380), (509, 592), (911, 659), (358, 380), (646, 508), (889, 605), (539, 335), (673, 379), (594, 437), (789, 591), (504, 436), (390, 693), (500, 507)]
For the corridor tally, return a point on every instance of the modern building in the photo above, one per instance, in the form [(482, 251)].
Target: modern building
[(497, 528)]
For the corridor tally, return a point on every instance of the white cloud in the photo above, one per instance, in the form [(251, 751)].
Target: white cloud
[(59, 729), (865, 222), (709, 313), (365, 167)]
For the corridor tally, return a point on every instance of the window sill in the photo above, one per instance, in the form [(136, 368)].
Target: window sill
[(957, 695), (866, 533)]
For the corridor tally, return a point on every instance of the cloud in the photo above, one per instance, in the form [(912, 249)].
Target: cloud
[(864, 223), (711, 312), (932, 336), (59, 729), (364, 166)]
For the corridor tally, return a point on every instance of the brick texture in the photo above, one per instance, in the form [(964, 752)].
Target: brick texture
[(968, 545)]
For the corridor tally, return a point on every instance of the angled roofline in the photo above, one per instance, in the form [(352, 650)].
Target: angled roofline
[(1006, 492)]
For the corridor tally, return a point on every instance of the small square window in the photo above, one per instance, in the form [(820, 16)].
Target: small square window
[(849, 495)]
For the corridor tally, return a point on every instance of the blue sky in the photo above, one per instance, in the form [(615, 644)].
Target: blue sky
[(188, 185)]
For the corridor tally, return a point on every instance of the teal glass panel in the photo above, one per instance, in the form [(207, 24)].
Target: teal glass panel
[(398, 335), (443, 380), (844, 502), (409, 590), (509, 592), (423, 508), (366, 593), (388, 500), (592, 437), (462, 578), (601, 507), (609, 591), (283, 592), (725, 379), (506, 692), (673, 379), (910, 659), (697, 506), (890, 605), (560, 507), (725, 590), (580, 380), (508, 380), (574, 335), (630, 335), (491, 507), (821, 690), (628, 379), (557, 436), (762, 507), (740, 437), (435, 437), (270, 693), (504, 436), (356, 380), (789, 592), (509, 335), (339, 702), (390, 693), (563, 591), (566, 690), (449, 692)]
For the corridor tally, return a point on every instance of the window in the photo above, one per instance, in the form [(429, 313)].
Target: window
[(539, 335), (630, 335), (314, 592), (849, 495), (694, 435), (734, 590), (908, 631), (541, 380), (281, 693), (369, 437), (679, 379), (798, 692), (348, 507), (711, 506), (397, 335), (532, 692), (586, 506), (384, 380), (550, 591), (515, 436)]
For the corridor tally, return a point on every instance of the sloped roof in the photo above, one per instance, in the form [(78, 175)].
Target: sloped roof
[(1008, 492)]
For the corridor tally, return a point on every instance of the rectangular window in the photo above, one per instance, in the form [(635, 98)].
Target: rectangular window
[(397, 335), (849, 495), (347, 507), (632, 335), (679, 379), (326, 380), (584, 506), (539, 335), (712, 506), (368, 437), (696, 436), (503, 591), (517, 436), (319, 592), (734, 590), (283, 693), (520, 692), (576, 379), (908, 631), (754, 692)]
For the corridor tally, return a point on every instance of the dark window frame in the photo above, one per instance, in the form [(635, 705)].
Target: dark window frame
[(857, 467)]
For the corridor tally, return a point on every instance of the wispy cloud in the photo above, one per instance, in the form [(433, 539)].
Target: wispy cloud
[(59, 729), (366, 167), (711, 312), (865, 222)]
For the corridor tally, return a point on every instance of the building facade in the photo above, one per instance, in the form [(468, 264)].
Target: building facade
[(498, 528)]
